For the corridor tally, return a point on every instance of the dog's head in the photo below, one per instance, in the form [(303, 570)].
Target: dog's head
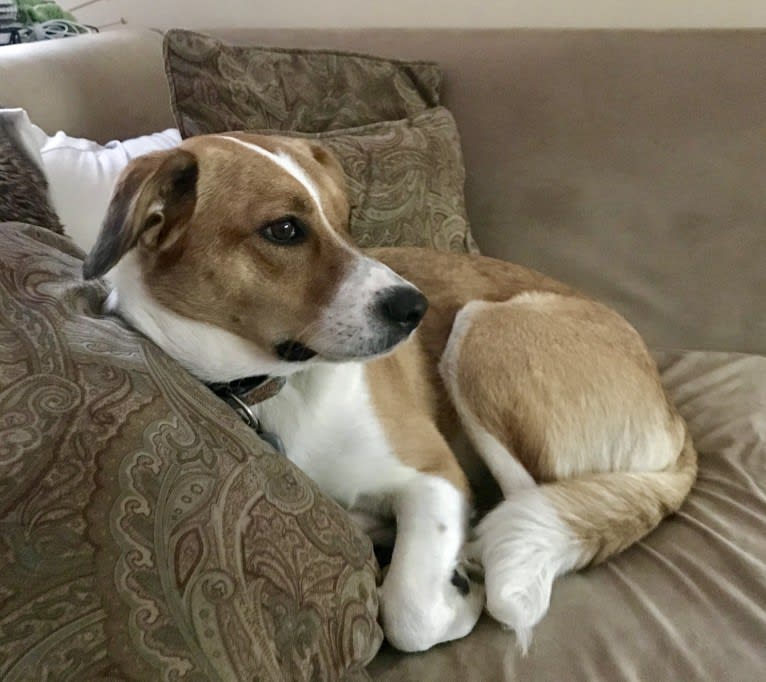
[(232, 252)]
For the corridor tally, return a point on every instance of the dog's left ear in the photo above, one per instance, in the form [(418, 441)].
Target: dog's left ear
[(338, 191), (330, 163), (152, 202)]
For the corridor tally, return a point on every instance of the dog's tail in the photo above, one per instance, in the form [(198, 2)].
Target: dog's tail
[(542, 532)]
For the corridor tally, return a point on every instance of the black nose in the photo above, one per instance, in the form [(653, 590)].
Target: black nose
[(403, 305)]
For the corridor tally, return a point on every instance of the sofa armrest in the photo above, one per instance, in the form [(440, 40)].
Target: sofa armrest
[(102, 87)]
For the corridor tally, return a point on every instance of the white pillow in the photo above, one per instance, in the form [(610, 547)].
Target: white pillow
[(82, 174)]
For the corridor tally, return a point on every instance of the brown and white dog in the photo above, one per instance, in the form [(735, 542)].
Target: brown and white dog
[(232, 253)]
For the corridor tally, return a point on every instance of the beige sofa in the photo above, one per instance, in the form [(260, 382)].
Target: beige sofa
[(631, 165)]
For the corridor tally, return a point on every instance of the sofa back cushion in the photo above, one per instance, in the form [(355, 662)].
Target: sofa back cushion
[(217, 86), (103, 86)]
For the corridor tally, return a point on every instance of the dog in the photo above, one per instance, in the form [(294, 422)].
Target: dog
[(232, 253)]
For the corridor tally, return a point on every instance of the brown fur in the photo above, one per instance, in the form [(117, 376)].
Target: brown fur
[(577, 348), (572, 360), (406, 404)]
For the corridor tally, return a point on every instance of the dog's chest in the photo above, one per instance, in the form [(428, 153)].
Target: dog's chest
[(329, 427)]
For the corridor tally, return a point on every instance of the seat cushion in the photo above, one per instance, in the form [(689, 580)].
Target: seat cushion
[(686, 603)]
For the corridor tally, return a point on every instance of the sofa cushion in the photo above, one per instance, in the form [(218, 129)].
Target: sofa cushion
[(218, 87), (405, 181), (23, 188), (686, 603), (145, 531)]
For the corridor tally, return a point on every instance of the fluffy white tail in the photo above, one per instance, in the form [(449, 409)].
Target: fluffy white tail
[(540, 533)]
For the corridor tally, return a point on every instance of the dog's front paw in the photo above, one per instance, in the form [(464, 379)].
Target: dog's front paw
[(466, 600), (416, 622)]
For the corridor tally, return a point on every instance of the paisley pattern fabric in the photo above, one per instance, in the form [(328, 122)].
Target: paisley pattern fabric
[(405, 181), (23, 187), (145, 532), (216, 87)]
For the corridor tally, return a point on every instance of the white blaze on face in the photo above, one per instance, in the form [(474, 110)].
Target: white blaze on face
[(290, 166)]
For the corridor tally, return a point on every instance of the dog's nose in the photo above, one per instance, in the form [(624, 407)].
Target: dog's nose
[(404, 306)]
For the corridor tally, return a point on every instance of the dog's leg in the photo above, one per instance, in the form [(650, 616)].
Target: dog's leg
[(424, 600), (561, 390)]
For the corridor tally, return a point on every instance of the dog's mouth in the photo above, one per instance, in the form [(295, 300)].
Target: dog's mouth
[(294, 351)]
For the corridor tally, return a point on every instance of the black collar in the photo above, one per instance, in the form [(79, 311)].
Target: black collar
[(250, 390), (241, 394)]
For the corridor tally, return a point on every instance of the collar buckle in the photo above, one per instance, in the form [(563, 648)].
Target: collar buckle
[(243, 393), (243, 410)]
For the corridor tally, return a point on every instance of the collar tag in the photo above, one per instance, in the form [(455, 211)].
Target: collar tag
[(274, 440), (247, 416)]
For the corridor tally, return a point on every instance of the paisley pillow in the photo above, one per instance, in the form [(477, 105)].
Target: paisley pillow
[(405, 181), (147, 533), (217, 87)]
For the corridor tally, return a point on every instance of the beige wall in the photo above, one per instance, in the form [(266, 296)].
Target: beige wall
[(428, 13)]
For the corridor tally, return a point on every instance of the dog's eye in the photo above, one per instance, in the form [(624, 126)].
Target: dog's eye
[(284, 231)]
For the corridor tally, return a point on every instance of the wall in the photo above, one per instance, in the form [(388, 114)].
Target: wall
[(427, 13)]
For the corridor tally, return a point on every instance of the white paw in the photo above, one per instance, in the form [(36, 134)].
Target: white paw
[(466, 602), (412, 623)]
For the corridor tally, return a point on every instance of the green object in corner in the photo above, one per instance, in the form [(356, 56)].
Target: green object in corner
[(37, 11)]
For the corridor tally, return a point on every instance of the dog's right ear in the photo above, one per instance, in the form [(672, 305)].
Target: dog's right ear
[(152, 202)]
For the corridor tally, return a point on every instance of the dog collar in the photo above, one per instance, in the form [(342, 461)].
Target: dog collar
[(250, 390), (241, 394)]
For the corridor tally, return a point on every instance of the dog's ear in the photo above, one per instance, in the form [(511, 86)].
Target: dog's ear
[(330, 163), (152, 202), (334, 171)]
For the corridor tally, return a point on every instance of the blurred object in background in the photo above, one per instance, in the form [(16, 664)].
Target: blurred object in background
[(9, 23), (23, 21)]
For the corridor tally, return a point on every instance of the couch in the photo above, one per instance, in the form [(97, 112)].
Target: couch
[(629, 164)]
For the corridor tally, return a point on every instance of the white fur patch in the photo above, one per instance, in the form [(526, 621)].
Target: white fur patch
[(524, 546), (325, 418), (350, 321), (420, 607)]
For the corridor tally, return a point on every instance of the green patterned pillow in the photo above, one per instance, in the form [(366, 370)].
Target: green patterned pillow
[(146, 532), (405, 181), (217, 87)]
